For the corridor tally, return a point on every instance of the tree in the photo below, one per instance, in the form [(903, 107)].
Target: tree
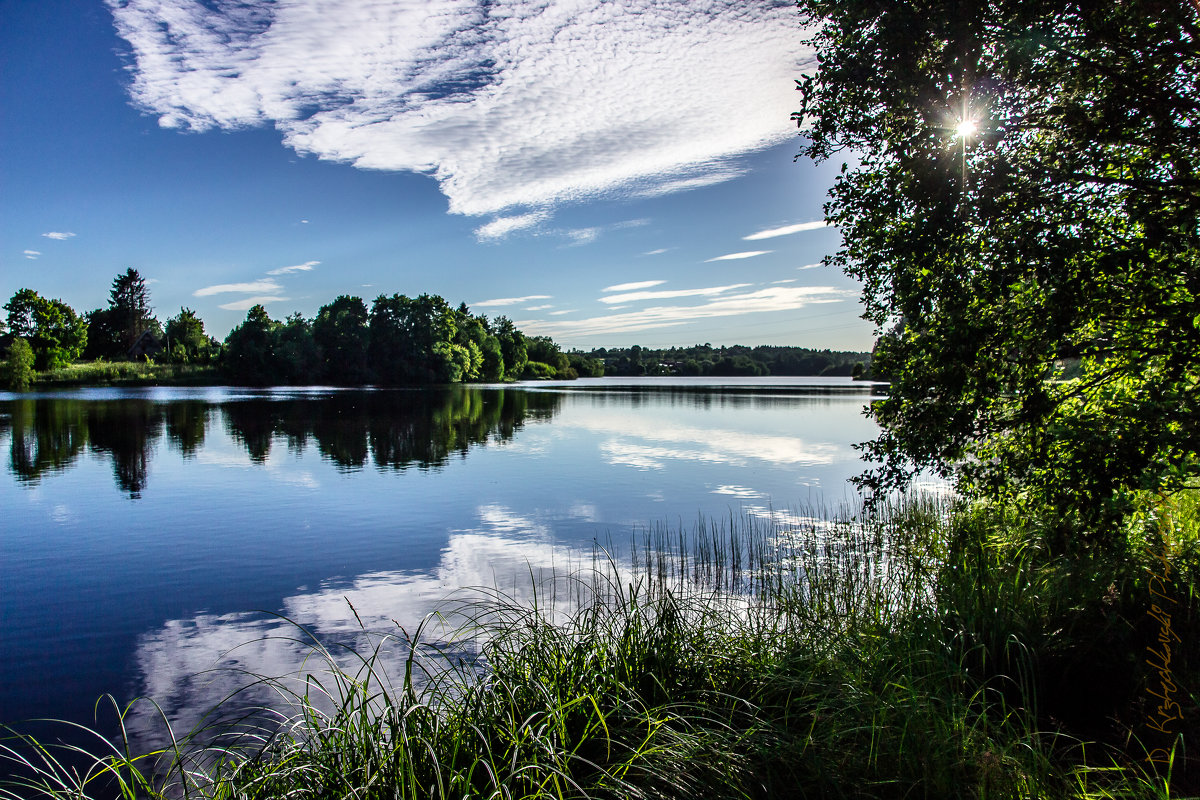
[(19, 368), (340, 331), (411, 338), (129, 307), (512, 346), (250, 348), (1026, 191), (56, 334), (186, 340)]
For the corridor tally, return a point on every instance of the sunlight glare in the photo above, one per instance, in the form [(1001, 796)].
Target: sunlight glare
[(966, 129)]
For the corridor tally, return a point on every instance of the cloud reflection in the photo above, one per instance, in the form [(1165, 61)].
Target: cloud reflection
[(189, 666)]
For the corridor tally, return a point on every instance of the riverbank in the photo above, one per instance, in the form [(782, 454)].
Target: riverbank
[(128, 373), (933, 651)]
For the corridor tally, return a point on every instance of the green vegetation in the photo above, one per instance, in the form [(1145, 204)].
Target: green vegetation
[(401, 341), (914, 654), (1026, 192), (704, 359), (51, 328), (18, 369), (127, 373)]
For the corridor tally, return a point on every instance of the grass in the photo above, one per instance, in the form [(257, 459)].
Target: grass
[(916, 654), (126, 373)]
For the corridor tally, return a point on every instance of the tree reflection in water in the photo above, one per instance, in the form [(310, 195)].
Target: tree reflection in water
[(393, 429)]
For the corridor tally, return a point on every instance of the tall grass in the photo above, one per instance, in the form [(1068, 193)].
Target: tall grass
[(126, 373), (817, 655)]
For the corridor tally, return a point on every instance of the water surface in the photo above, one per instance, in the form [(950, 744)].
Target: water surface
[(150, 535)]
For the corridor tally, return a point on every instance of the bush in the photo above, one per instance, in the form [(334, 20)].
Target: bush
[(19, 367)]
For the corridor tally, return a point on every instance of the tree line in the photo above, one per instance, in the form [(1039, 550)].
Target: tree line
[(399, 340), (735, 360)]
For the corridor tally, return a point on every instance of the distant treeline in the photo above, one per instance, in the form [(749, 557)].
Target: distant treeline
[(737, 360)]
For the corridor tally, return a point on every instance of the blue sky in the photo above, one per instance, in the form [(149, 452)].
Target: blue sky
[(605, 173)]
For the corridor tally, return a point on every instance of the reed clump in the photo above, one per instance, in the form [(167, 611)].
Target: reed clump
[(914, 653), (126, 373)]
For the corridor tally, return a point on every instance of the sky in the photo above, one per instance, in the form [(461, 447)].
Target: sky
[(605, 173)]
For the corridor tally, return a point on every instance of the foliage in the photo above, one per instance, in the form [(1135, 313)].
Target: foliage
[(129, 307), (55, 333), (19, 372), (1066, 226), (704, 359), (340, 333), (250, 348), (186, 341)]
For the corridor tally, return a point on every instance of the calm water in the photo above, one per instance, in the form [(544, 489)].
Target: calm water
[(150, 535)]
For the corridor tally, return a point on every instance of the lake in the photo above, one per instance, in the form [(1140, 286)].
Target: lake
[(150, 535)]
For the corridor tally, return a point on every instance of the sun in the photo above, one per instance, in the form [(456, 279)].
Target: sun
[(966, 129)]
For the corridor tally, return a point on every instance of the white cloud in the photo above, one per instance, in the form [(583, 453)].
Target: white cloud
[(32, 254), (668, 293), (511, 301), (249, 288), (307, 266), (540, 308), (657, 252), (778, 298), (580, 236), (771, 233), (811, 266), (628, 287), (59, 235), (247, 303), (736, 256), (503, 226), (712, 178), (485, 97), (560, 313), (785, 280)]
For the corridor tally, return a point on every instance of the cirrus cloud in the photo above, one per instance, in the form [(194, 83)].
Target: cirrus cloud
[(247, 303), (776, 298), (59, 235), (629, 287), (511, 301), (663, 294), (307, 266), (505, 103), (250, 288), (787, 230), (739, 256)]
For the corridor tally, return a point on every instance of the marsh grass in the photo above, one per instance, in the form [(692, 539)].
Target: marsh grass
[(784, 655), (126, 373)]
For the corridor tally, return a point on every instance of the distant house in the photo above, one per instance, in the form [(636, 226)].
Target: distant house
[(145, 345)]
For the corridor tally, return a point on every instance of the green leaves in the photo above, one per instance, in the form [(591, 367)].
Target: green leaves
[(1068, 227)]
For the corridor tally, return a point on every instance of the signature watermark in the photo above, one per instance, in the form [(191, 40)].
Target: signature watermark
[(1167, 713)]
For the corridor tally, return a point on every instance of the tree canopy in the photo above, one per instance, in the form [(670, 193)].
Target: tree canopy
[(1021, 191), (55, 333)]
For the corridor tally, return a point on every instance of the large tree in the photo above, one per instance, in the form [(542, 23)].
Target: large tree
[(129, 307), (1021, 191), (55, 332), (340, 331)]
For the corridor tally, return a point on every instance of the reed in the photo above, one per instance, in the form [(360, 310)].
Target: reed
[(126, 373)]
